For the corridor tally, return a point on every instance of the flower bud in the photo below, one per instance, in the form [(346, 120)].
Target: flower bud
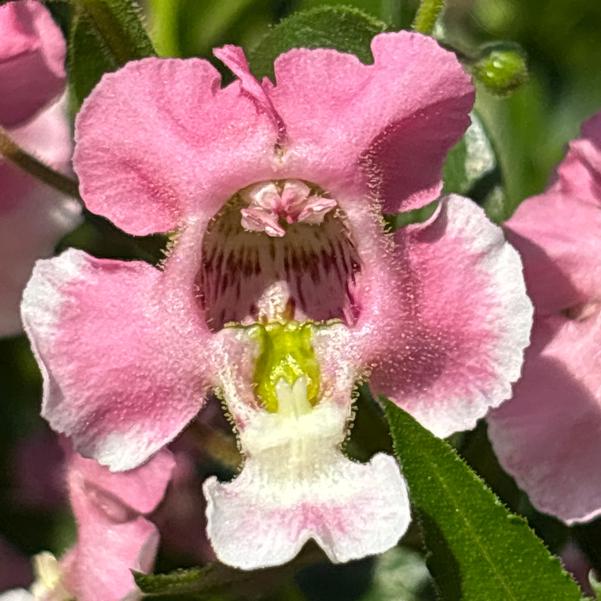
[(501, 67)]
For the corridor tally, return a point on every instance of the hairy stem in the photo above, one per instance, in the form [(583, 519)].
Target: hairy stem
[(426, 16), (27, 162)]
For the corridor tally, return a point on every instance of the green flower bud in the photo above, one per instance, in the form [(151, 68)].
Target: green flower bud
[(501, 67)]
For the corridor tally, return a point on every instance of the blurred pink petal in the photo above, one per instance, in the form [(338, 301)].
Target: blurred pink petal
[(32, 57), (113, 536), (549, 435), (33, 216)]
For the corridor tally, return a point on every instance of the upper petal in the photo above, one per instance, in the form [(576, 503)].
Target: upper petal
[(32, 57), (451, 342), (548, 436), (387, 126), (124, 355), (159, 140), (33, 216)]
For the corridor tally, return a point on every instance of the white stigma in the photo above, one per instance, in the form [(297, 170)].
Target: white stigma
[(292, 400)]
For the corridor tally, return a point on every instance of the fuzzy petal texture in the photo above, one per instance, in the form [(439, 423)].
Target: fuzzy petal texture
[(159, 140), (123, 353), (32, 57), (113, 536), (452, 352), (548, 436), (387, 126), (33, 216), (296, 485)]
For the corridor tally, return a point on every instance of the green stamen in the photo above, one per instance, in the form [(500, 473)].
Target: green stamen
[(286, 355)]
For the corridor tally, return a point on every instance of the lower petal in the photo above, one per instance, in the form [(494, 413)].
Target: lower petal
[(351, 511), (548, 436), (265, 516)]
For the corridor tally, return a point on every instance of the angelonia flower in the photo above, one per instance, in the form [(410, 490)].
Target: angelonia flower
[(281, 289), (33, 217), (113, 534), (548, 437)]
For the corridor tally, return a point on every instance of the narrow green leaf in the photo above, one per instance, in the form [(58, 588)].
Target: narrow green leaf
[(105, 34), (477, 549), (340, 27), (218, 579)]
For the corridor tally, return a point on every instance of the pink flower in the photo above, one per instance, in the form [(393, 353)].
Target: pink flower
[(32, 216), (549, 435), (113, 536), (282, 289)]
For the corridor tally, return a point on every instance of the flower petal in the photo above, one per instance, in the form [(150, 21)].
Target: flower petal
[(113, 538), (452, 344), (388, 125), (264, 517), (123, 353), (351, 510), (32, 57), (158, 140), (579, 174), (548, 436), (33, 217), (562, 263)]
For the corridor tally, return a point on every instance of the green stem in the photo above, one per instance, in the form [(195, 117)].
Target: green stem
[(164, 26), (27, 162), (426, 16)]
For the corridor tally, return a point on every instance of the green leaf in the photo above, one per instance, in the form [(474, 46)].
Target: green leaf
[(470, 160), (478, 550), (105, 34), (217, 579), (472, 169), (394, 221), (340, 27)]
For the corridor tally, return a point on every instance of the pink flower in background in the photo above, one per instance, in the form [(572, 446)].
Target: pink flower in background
[(281, 289), (33, 217), (549, 435), (113, 536)]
